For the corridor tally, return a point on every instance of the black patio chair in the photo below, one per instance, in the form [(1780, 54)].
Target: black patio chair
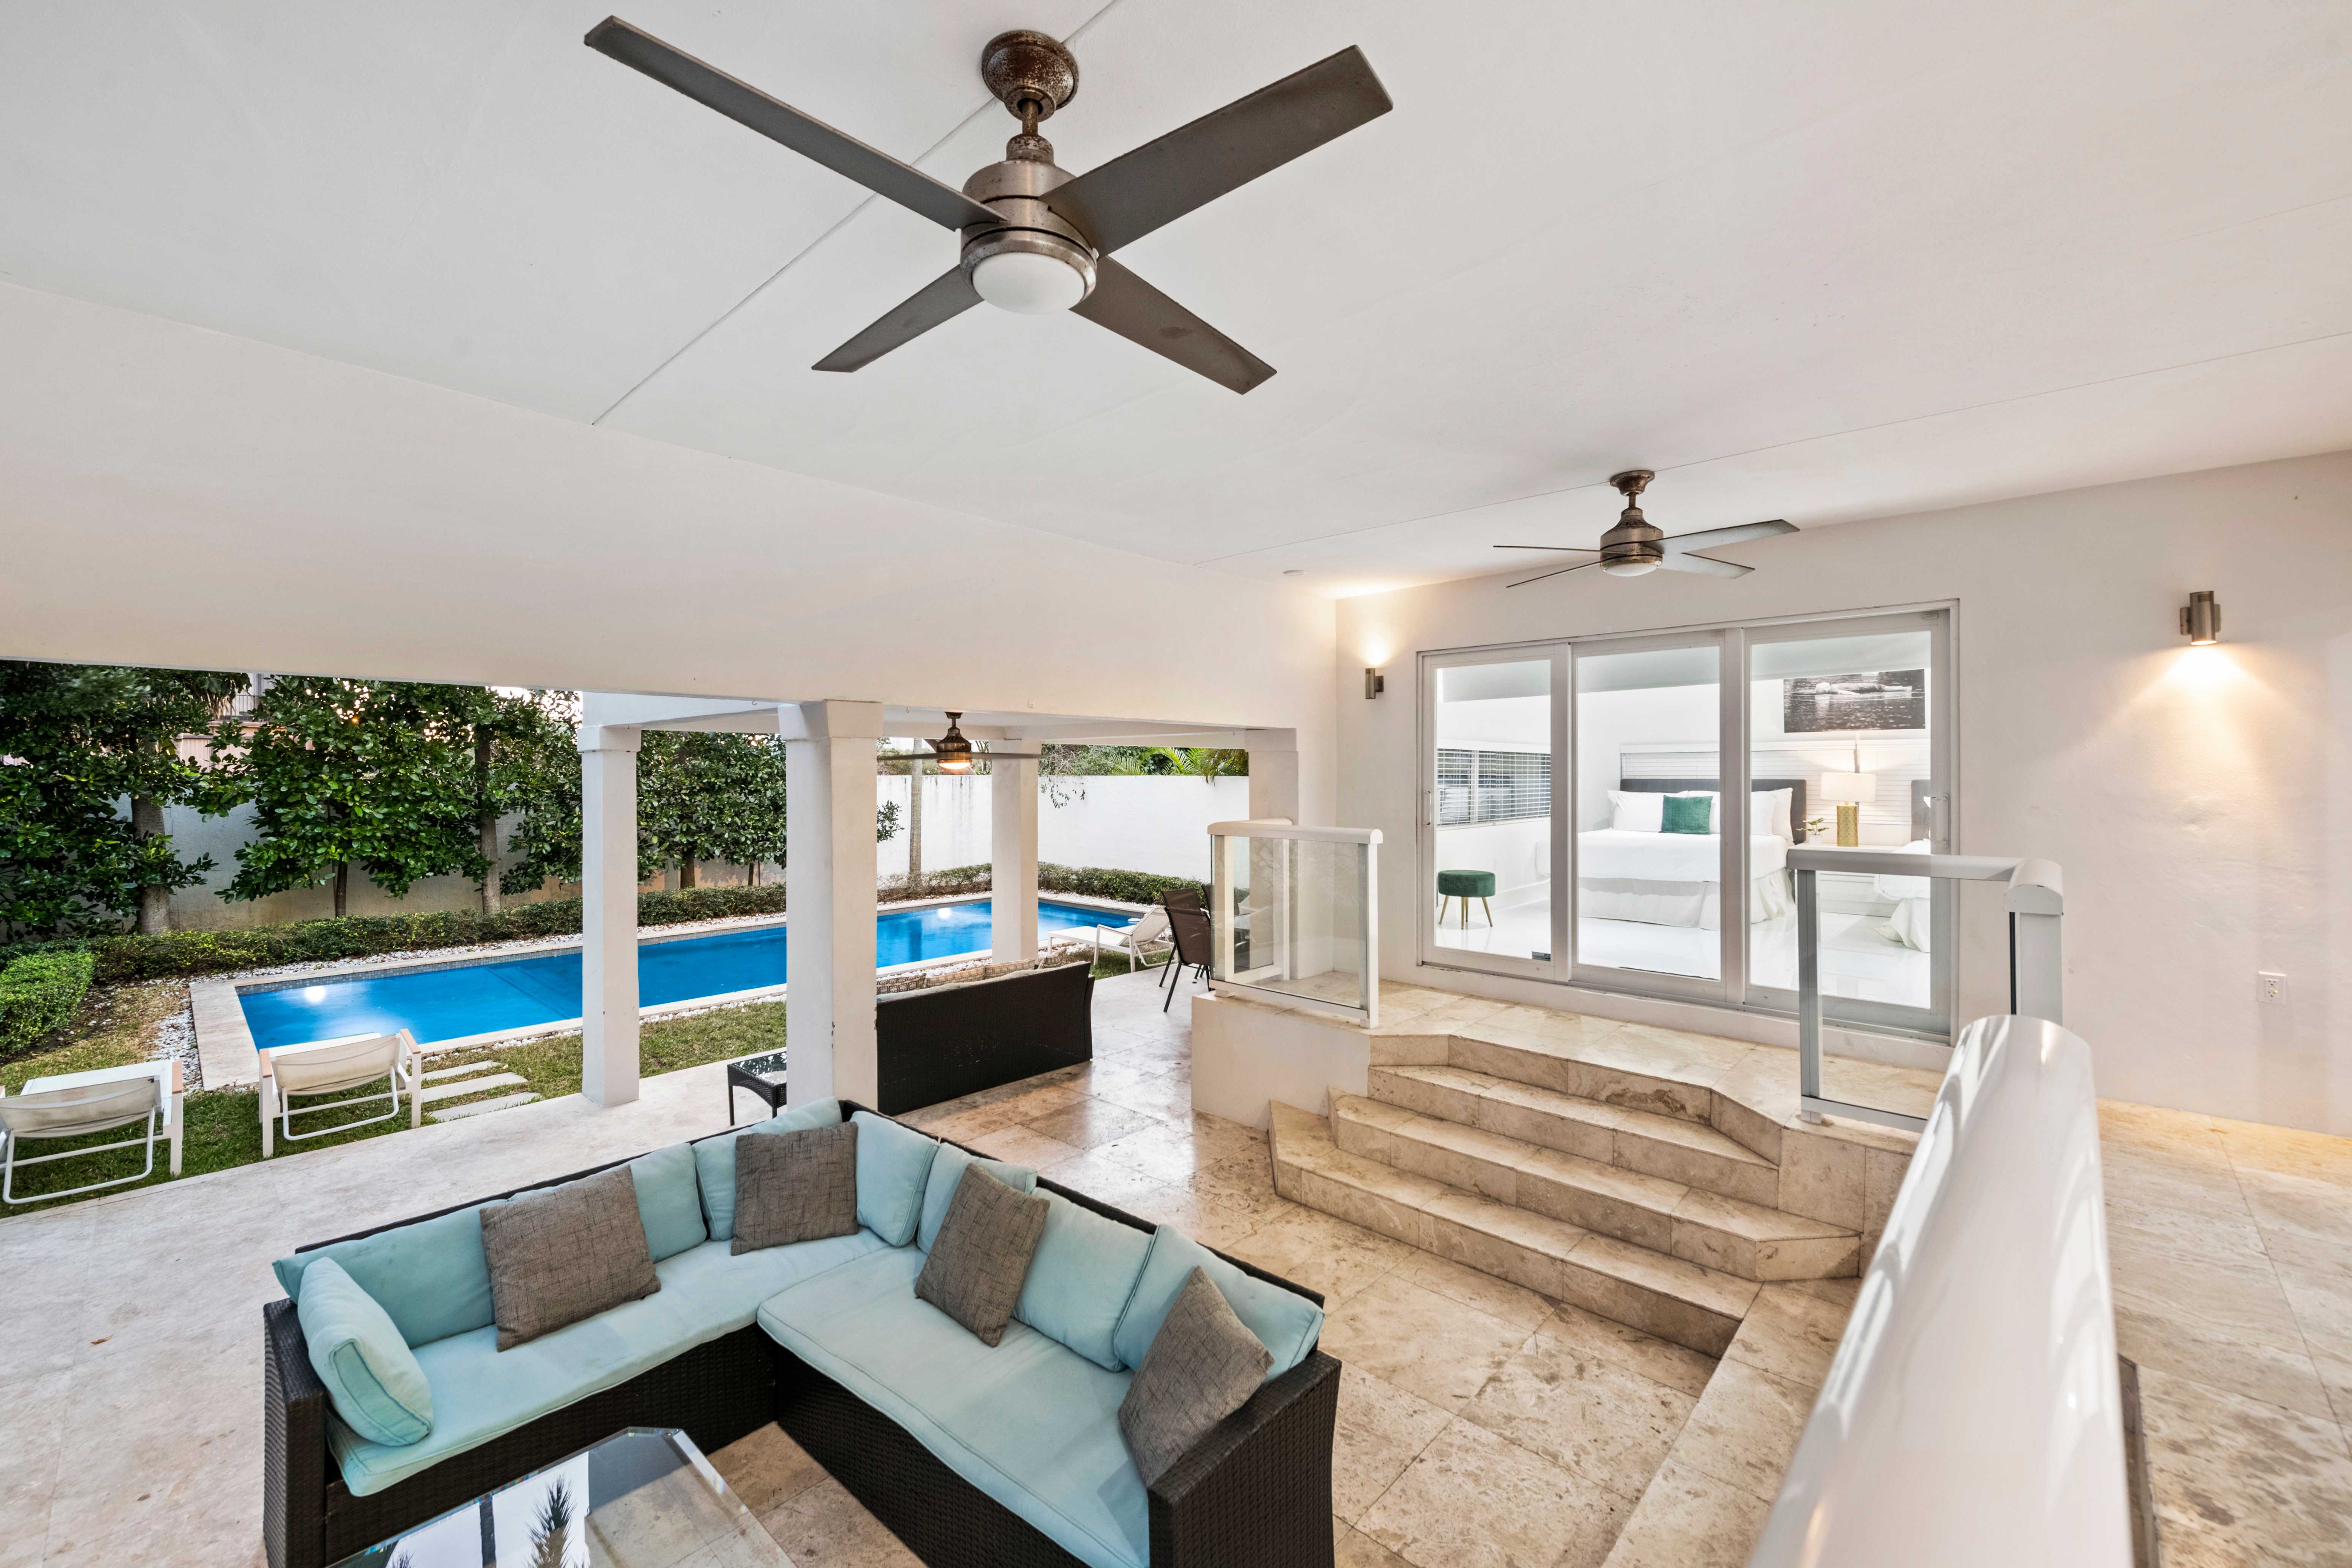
[(1189, 928)]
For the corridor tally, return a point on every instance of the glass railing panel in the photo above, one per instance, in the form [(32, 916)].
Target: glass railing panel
[(1293, 914)]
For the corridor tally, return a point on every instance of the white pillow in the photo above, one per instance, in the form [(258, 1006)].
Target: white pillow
[(1901, 888), (1636, 811), (1768, 812)]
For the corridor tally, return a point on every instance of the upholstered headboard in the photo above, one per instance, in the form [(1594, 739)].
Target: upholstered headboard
[(1796, 800)]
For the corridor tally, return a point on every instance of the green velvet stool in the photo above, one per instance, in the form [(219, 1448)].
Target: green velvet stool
[(1462, 887)]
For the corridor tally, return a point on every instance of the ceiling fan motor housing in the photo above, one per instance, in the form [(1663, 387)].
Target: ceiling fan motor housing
[(1046, 262)]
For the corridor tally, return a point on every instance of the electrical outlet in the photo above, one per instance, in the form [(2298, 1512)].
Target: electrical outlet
[(2270, 987)]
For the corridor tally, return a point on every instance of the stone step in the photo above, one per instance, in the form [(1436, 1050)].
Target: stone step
[(1599, 1064), (1667, 1217), (481, 1107), (437, 1074), (1691, 1152), (464, 1086), (1688, 1303)]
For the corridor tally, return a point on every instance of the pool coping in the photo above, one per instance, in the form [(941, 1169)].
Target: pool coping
[(228, 1058)]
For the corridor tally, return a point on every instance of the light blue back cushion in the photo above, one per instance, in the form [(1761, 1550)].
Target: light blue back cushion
[(372, 1376), (714, 1160), (669, 1200), (1079, 1282), (429, 1278), (1286, 1325), (947, 1170), (893, 1163)]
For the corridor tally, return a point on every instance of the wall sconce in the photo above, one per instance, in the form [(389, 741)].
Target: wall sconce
[(2200, 618), (1374, 683)]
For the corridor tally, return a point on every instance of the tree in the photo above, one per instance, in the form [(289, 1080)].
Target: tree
[(515, 739), (372, 774), (74, 741), (709, 795)]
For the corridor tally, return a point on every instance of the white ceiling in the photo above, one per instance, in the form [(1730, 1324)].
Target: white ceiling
[(1818, 260)]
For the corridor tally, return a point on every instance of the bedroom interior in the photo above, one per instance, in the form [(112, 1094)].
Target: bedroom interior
[(1774, 940)]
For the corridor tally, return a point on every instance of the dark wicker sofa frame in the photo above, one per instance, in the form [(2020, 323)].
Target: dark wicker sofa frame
[(1254, 1493)]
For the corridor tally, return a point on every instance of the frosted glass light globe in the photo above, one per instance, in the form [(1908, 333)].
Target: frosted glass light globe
[(1027, 283), (1629, 568)]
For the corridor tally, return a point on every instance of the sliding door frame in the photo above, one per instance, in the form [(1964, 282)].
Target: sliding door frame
[(1734, 772)]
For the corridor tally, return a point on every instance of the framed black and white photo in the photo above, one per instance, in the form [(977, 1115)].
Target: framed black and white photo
[(1867, 699)]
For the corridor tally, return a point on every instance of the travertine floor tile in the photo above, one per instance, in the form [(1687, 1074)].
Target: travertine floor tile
[(1323, 1254), (1496, 1298), (2241, 1481), (1793, 1329), (1102, 1179), (1088, 1123), (1660, 1360), (1023, 1145), (1352, 1548), (824, 1527), (1381, 1430), (1745, 1429), (1472, 1500), (1425, 1344), (1584, 1411), (767, 1470), (1690, 1521)]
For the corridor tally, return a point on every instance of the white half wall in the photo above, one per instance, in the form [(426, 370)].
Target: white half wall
[(175, 495), (2198, 798)]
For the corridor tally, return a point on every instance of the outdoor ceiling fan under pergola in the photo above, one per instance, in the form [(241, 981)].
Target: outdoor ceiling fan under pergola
[(955, 755), (1036, 237)]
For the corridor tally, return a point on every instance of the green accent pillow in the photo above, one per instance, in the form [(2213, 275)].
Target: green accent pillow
[(372, 1376), (1687, 814)]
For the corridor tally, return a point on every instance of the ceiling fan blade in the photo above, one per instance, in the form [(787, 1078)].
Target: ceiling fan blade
[(1704, 565), (948, 295), (1713, 538), (1142, 314), (1569, 548), (1585, 566), (747, 105), (1161, 181)]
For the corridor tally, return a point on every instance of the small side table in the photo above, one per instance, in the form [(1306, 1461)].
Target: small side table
[(750, 1073)]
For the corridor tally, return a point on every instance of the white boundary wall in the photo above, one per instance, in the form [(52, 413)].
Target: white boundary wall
[(1143, 823)]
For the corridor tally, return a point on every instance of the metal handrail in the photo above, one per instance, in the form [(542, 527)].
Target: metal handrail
[(2036, 903)]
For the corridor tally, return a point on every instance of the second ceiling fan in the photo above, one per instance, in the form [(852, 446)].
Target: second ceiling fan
[(1636, 547), (1038, 239)]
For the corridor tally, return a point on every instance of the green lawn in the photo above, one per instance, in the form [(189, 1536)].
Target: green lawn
[(224, 1126)]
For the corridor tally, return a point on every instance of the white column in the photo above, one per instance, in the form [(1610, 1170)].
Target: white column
[(1273, 773), (608, 912), (829, 877), (1012, 858)]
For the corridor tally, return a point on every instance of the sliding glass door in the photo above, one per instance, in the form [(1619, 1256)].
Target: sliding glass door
[(1654, 856), (1488, 849), (1848, 718)]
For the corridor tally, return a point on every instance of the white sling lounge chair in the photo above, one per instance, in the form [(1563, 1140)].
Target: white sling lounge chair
[(1148, 933), (331, 1067), (74, 1104)]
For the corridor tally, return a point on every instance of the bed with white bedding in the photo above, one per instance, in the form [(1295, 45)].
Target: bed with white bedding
[(1634, 871)]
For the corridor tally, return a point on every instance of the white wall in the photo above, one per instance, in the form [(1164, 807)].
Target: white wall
[(2198, 798), (1145, 823), (175, 495)]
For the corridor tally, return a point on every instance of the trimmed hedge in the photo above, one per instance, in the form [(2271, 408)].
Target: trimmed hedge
[(39, 991), (118, 959)]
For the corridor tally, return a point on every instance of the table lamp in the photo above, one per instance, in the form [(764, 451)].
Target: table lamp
[(1850, 790)]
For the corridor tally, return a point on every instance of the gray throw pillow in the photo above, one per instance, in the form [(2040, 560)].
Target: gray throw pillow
[(795, 1186), (565, 1254), (983, 1254), (1203, 1366)]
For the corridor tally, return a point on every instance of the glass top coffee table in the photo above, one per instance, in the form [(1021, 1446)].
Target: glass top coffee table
[(643, 1497)]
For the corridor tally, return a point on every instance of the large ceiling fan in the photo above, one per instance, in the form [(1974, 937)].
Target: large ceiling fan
[(1634, 546), (953, 753), (1038, 239)]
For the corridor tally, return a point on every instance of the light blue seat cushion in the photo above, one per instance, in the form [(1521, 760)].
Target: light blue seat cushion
[(947, 1170), (372, 1376), (893, 1164), (1286, 1324), (479, 1393), (429, 1278), (1079, 1282), (669, 1200), (1031, 1423), (714, 1160)]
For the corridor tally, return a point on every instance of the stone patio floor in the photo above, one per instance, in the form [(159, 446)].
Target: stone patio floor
[(1480, 1425)]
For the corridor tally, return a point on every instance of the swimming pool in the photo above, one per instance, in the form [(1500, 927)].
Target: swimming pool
[(514, 993)]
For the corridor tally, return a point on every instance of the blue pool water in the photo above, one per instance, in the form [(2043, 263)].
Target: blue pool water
[(448, 1003)]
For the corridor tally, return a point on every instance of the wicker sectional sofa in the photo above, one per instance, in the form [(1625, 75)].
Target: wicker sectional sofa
[(971, 1456)]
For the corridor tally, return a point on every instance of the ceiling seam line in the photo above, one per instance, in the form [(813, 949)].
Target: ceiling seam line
[(805, 251), (1778, 446)]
